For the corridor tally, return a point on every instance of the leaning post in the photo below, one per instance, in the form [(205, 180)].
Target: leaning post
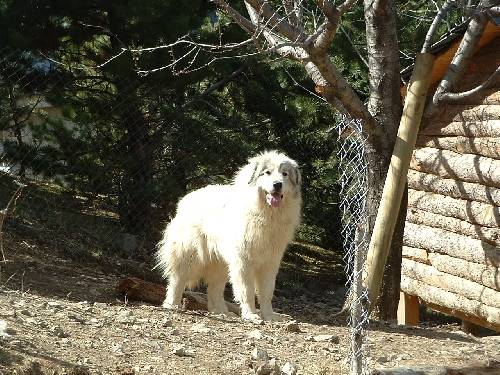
[(397, 175)]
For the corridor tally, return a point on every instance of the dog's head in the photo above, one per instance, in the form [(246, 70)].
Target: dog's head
[(275, 174)]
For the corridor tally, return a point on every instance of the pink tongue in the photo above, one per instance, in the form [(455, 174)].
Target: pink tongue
[(274, 199)]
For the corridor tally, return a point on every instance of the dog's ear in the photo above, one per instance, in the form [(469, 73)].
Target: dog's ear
[(298, 175), (248, 174)]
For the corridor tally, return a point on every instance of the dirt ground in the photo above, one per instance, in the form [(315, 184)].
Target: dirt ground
[(60, 316)]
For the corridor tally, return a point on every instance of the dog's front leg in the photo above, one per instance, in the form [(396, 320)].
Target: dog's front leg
[(242, 280), (265, 282)]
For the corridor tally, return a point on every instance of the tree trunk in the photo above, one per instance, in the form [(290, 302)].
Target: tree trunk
[(137, 182), (392, 275), (386, 107)]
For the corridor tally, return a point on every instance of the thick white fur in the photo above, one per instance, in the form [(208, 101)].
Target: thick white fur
[(231, 232)]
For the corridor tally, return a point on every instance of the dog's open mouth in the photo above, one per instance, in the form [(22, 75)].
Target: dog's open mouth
[(274, 199)]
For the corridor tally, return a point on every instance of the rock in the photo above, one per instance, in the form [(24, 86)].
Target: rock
[(260, 354), (117, 349), (58, 331), (126, 317), (327, 338), (181, 351), (4, 329), (201, 328), (73, 316), (129, 244), (267, 368), (289, 368), (255, 334), (54, 305), (3, 326)]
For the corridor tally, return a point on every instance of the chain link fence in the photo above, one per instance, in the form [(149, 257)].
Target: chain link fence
[(106, 159), (353, 168)]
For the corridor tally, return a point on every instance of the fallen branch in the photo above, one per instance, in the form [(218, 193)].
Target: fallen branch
[(139, 290)]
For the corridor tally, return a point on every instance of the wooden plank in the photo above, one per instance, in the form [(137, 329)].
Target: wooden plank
[(479, 273), (444, 185), (419, 255), (477, 128), (480, 321), (408, 309)]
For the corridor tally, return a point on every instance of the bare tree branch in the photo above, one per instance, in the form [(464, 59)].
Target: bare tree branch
[(451, 97), (429, 38), (463, 56), (224, 81), (285, 36)]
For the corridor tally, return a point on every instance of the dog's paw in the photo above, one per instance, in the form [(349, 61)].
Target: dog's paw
[(250, 316), (170, 306), (273, 317)]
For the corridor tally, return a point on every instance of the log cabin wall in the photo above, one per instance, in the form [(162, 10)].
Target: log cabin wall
[(451, 252)]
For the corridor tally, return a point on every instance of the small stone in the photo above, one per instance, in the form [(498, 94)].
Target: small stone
[(58, 331), (54, 305), (327, 338), (167, 323), (126, 317), (117, 349), (4, 329), (255, 334), (260, 354), (71, 315), (289, 368), (382, 359), (292, 326), (181, 351), (3, 326)]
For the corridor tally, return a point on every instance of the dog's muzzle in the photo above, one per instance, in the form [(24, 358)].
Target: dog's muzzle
[(274, 197)]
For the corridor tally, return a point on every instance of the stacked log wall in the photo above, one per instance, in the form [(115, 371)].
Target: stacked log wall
[(451, 252)]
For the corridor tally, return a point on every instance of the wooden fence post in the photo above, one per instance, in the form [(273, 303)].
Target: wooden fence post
[(397, 174)]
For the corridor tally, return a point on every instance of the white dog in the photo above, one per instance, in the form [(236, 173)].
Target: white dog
[(235, 232)]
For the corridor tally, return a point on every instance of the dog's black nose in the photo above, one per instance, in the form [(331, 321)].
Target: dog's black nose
[(277, 186)]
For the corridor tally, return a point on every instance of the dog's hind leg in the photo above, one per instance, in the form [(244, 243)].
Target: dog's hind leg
[(176, 285), (181, 272)]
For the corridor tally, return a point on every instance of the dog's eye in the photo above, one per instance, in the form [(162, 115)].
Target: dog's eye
[(285, 173), (268, 173)]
